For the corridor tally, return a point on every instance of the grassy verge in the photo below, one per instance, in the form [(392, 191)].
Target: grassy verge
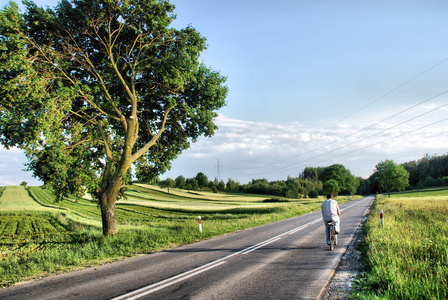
[(408, 258), (52, 238)]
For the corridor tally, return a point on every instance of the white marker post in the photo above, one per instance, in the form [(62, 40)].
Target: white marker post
[(382, 218), (200, 224)]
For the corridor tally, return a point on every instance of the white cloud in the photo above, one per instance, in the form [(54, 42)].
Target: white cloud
[(248, 149), (275, 151)]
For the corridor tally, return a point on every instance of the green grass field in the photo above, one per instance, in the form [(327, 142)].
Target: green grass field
[(39, 237), (21, 201), (408, 258)]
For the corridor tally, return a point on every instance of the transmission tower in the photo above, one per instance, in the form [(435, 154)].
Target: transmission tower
[(218, 170)]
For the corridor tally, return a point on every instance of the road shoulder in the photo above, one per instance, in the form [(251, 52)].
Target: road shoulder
[(348, 269)]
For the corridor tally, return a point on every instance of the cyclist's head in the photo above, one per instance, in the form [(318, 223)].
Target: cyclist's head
[(329, 196)]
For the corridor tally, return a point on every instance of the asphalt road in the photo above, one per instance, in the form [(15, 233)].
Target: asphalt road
[(288, 259)]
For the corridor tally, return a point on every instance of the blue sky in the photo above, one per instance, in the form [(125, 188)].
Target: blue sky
[(313, 83)]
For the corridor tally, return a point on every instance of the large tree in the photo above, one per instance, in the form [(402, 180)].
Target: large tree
[(91, 87), (391, 176)]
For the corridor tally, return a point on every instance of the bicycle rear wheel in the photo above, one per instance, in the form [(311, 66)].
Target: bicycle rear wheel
[(332, 237)]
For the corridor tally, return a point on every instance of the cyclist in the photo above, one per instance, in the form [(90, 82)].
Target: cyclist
[(330, 212)]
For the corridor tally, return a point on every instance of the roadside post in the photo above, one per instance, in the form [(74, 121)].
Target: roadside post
[(382, 218), (200, 224)]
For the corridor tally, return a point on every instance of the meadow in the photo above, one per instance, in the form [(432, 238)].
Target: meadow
[(408, 257), (39, 237)]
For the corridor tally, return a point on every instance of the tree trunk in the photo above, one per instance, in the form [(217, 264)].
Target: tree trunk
[(109, 219), (111, 188), (108, 197)]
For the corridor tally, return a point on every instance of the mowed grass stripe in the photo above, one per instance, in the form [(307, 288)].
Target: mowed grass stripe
[(16, 199), (157, 193), (69, 234)]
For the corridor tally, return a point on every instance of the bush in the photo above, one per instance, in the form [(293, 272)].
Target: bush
[(292, 194), (313, 194), (441, 181), (429, 182), (274, 200)]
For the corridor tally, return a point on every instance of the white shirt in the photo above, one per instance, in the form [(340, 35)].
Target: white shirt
[(330, 210)]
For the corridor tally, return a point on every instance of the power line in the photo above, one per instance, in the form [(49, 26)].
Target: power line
[(390, 117), (359, 140), (388, 93), (383, 141), (353, 151), (349, 135), (394, 115), (383, 96)]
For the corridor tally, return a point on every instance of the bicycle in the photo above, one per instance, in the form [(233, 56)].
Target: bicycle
[(333, 236)]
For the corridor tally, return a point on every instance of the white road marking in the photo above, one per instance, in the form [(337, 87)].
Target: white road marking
[(167, 282), (255, 247), (183, 276)]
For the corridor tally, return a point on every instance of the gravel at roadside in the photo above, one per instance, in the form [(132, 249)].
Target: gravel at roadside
[(347, 271)]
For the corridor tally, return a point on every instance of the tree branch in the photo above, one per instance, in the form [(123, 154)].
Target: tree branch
[(106, 142), (154, 138), (88, 65)]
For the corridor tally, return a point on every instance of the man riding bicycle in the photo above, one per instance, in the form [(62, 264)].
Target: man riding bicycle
[(330, 212)]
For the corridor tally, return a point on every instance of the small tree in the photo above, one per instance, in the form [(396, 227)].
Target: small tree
[(221, 186), (192, 184), (180, 182), (23, 183), (391, 176), (331, 187), (292, 192), (167, 183), (352, 184), (202, 180), (232, 185), (430, 182)]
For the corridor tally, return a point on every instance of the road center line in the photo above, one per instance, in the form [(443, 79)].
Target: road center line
[(178, 278), (167, 282), (175, 279), (253, 248)]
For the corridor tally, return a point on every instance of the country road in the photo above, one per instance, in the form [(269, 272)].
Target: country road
[(288, 259)]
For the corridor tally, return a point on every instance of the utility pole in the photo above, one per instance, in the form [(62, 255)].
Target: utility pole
[(218, 170)]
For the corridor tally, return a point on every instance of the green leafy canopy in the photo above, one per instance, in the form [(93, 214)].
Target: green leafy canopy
[(391, 176), (92, 86)]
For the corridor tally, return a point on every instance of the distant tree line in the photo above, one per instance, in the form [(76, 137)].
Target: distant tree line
[(335, 179), (199, 182), (430, 171)]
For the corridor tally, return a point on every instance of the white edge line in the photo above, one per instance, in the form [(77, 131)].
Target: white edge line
[(172, 280), (159, 285)]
